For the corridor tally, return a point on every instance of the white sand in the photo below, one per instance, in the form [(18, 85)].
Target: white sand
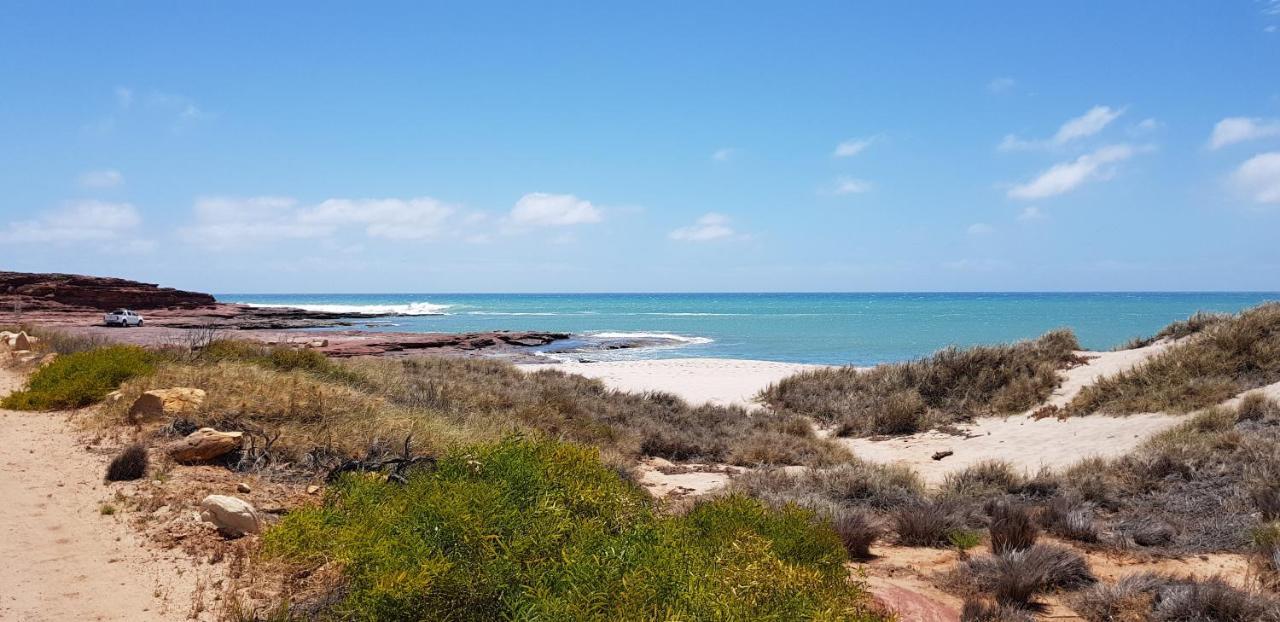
[(699, 381)]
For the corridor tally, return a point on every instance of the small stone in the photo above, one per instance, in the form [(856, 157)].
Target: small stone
[(313, 489), (204, 444), (232, 516), (159, 403), (243, 487)]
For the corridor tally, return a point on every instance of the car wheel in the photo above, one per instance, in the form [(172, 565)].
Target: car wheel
[(139, 323)]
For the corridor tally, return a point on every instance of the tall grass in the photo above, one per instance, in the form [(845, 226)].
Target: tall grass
[(1227, 357), (952, 385), (80, 378), (524, 529)]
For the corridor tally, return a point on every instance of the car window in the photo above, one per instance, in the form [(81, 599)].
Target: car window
[(118, 312)]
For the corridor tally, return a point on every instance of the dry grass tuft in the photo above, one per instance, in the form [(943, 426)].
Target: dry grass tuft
[(1195, 324), (130, 464), (858, 530), (1163, 598), (1226, 358), (952, 385), (1015, 577), (1012, 528), (984, 610)]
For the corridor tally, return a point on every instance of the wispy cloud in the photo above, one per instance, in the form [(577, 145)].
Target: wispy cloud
[(724, 154), (1083, 126), (78, 221), (1232, 130), (711, 226), (1031, 213), (104, 178), (1067, 176), (1001, 85), (852, 147), (980, 228), (843, 186), (222, 222), (1259, 178)]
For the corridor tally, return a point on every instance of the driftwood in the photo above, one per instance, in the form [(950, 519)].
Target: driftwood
[(399, 465)]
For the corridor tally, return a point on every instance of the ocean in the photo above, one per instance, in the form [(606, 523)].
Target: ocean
[(833, 328)]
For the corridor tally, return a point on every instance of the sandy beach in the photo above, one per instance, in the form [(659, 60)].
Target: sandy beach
[(699, 381)]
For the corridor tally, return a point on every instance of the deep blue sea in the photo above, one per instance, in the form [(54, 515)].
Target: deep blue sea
[(858, 329)]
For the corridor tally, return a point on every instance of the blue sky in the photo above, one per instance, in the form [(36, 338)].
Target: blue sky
[(664, 146)]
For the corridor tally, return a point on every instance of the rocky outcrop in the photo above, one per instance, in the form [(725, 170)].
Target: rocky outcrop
[(204, 444), (57, 292), (232, 516), (402, 343), (158, 403)]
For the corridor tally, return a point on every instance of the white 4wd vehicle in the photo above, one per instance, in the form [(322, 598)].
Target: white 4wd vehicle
[(122, 317)]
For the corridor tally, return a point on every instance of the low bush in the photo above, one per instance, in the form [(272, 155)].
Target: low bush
[(1015, 577), (984, 479), (80, 378), (855, 485), (984, 610), (1012, 528), (1163, 598), (928, 522), (1226, 358), (526, 529), (857, 530), (952, 385), (129, 464)]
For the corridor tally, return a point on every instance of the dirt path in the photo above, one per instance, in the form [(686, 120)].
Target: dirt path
[(63, 558)]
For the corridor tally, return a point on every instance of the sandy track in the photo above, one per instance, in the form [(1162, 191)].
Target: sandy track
[(64, 560)]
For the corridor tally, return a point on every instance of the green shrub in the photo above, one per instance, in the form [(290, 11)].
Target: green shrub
[(528, 529), (80, 378)]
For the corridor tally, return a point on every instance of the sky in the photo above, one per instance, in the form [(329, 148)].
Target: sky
[(326, 147)]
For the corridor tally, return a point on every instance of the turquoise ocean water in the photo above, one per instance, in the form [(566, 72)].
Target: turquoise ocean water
[(832, 328)]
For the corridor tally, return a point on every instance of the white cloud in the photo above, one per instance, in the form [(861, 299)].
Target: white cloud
[(724, 154), (105, 178), (546, 210), (852, 147), (80, 221), (1067, 176), (396, 219), (711, 226), (1148, 125), (1259, 177), (980, 228), (849, 185), (1083, 126), (1232, 130), (229, 221), (1001, 85), (1031, 213)]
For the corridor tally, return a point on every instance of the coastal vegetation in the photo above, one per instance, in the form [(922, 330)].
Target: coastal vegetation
[(80, 378), (1225, 356), (950, 386), (528, 529)]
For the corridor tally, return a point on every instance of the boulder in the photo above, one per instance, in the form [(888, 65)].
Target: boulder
[(232, 516), (23, 341), (159, 403), (318, 343), (204, 444)]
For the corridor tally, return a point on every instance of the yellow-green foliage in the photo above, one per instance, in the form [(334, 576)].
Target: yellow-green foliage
[(1227, 357), (542, 530), (80, 378), (953, 384)]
